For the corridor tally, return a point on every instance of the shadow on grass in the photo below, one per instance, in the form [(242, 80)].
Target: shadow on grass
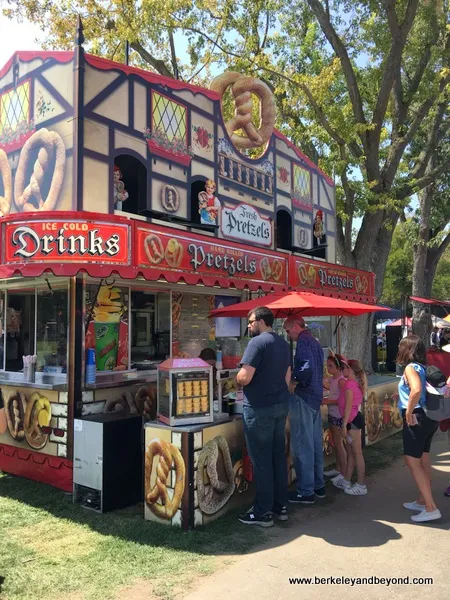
[(224, 536), (228, 537)]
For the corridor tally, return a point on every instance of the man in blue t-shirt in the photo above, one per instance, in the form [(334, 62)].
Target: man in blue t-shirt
[(304, 413), (265, 374)]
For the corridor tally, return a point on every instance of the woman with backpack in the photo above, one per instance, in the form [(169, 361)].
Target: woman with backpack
[(418, 429)]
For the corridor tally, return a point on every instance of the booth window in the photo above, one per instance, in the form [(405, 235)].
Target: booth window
[(150, 327), (196, 188), (51, 330), (20, 327), (168, 119), (15, 108), (321, 329), (34, 321), (284, 230), (134, 178)]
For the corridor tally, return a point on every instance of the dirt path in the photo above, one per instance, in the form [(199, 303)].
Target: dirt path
[(353, 537)]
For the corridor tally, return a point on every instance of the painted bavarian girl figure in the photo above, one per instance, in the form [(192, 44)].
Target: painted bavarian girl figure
[(209, 205), (120, 193)]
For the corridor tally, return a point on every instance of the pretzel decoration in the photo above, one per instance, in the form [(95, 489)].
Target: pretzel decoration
[(37, 415), (266, 270), (277, 269), (242, 88), (51, 146), (154, 249), (373, 420), (169, 456), (15, 408), (6, 177), (176, 313), (146, 402), (174, 253), (214, 494), (118, 405)]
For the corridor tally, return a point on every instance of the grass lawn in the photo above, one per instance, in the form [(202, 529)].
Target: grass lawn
[(52, 549)]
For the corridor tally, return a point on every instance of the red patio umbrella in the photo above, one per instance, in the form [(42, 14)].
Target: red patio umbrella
[(398, 323), (302, 304)]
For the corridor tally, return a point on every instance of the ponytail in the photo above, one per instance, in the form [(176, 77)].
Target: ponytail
[(360, 375)]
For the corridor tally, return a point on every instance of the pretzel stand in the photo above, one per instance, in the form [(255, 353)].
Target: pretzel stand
[(202, 225)]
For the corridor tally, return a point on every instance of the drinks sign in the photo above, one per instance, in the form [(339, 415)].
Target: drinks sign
[(67, 241), (244, 223)]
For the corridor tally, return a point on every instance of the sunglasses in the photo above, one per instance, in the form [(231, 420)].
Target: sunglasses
[(252, 321)]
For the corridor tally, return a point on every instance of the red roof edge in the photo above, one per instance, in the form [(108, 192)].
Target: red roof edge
[(105, 64), (29, 55)]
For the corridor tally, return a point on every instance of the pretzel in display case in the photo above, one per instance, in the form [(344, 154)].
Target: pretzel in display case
[(185, 390)]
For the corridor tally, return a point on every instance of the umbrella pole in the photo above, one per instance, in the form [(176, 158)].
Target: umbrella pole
[(337, 325)]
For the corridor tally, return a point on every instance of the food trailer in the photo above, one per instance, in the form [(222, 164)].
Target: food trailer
[(130, 209)]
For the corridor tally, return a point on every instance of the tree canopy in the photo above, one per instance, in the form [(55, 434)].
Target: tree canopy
[(399, 268), (357, 83)]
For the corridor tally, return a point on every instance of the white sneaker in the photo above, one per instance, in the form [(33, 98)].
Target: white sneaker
[(425, 516), (331, 473), (356, 490), (340, 482), (414, 506)]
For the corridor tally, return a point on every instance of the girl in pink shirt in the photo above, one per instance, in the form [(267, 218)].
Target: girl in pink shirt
[(334, 384), (349, 402)]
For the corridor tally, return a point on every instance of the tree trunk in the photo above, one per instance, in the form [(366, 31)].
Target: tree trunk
[(356, 339), (422, 279), (356, 332)]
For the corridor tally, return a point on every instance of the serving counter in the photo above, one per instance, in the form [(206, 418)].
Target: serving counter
[(42, 381)]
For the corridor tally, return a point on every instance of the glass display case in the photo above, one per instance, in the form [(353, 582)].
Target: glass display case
[(185, 389)]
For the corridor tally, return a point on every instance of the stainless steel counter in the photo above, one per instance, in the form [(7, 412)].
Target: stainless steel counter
[(118, 379), (43, 381), (48, 381)]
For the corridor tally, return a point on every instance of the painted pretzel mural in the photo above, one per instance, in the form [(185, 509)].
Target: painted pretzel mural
[(51, 145), (6, 178), (242, 88), (169, 456)]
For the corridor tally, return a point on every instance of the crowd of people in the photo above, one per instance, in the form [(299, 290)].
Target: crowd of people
[(276, 391), (439, 337)]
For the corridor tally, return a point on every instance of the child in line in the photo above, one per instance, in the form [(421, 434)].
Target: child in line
[(349, 403), (335, 384)]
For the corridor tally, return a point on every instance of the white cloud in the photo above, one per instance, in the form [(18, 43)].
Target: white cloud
[(16, 36)]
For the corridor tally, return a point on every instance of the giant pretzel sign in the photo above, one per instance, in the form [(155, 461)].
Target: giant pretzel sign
[(50, 145), (157, 497), (242, 88), (29, 194), (6, 178)]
